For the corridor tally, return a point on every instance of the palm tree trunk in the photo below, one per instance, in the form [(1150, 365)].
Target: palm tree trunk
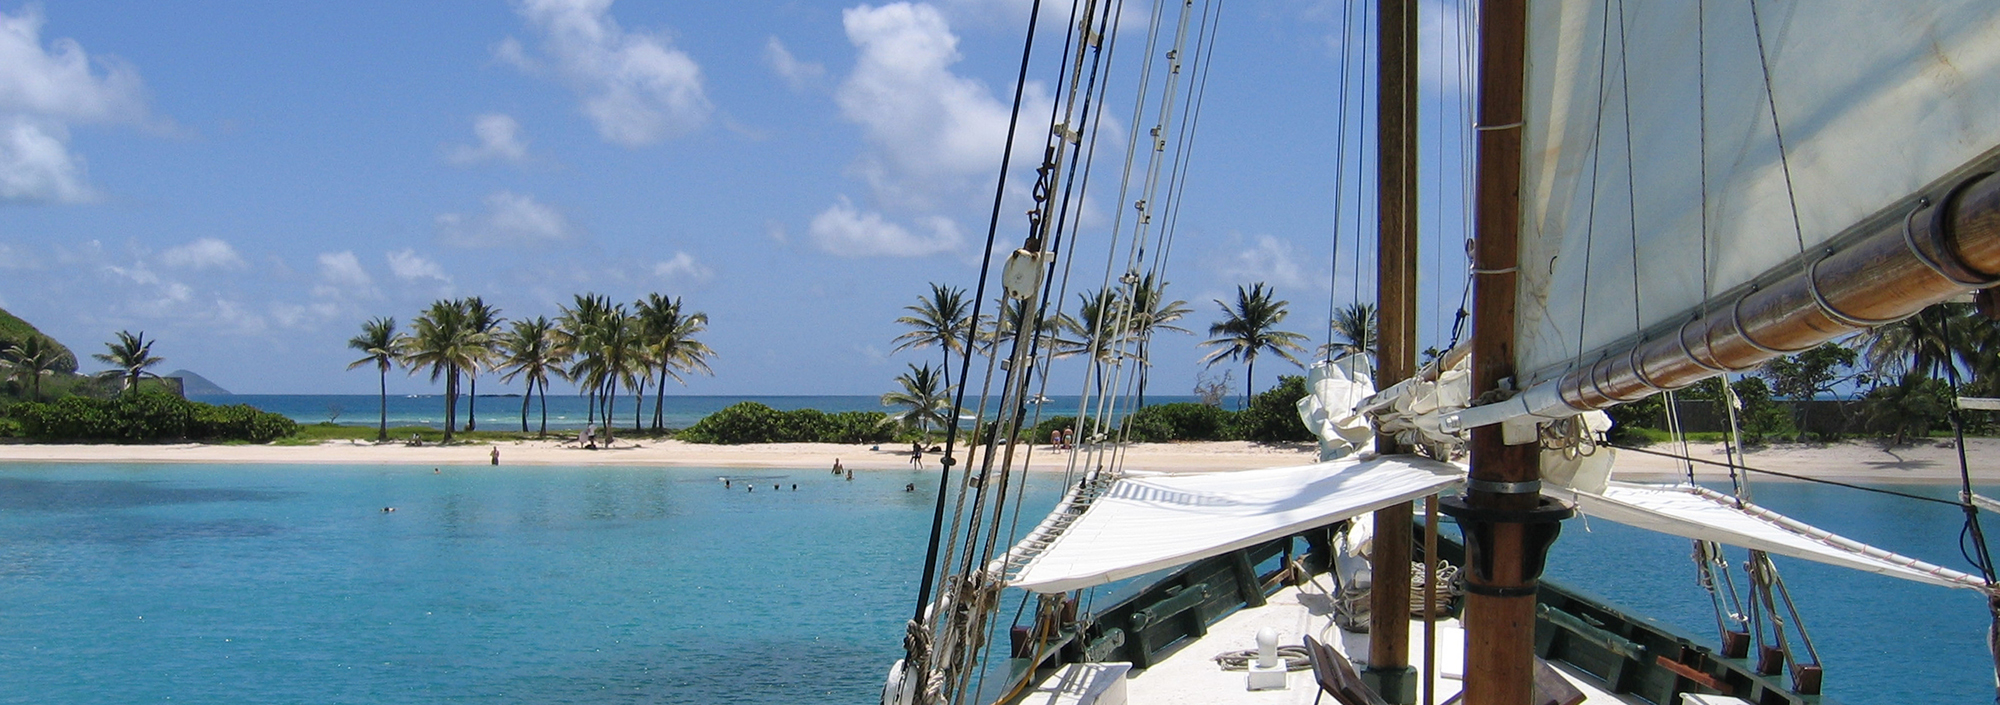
[(545, 406), (472, 402), (660, 401), (525, 398), (450, 401), (382, 434), (638, 405), (610, 402), (1249, 383)]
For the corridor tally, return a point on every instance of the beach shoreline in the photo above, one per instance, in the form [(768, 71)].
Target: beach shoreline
[(1854, 461)]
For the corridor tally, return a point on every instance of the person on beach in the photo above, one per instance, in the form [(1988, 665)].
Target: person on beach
[(917, 455), (836, 466), (1069, 438), (496, 455), (1055, 438)]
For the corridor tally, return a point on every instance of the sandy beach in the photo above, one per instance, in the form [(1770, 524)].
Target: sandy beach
[(1863, 462)]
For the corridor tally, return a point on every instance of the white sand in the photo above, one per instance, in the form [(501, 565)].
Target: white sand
[(1865, 462)]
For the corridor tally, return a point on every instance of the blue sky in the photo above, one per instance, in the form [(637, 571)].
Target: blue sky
[(248, 182)]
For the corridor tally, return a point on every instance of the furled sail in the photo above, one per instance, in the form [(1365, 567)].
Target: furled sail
[(1876, 101), (1144, 523), (1699, 513), (1680, 156)]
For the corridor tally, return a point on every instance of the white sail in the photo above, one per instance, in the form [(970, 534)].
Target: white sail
[(1703, 514), (1876, 100), (1145, 523)]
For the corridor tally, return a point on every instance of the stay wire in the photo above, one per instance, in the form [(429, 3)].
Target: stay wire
[(1339, 171), (924, 586), (1631, 186), (1596, 157), (1778, 131)]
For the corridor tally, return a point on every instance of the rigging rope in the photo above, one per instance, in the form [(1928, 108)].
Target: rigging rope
[(1790, 476)]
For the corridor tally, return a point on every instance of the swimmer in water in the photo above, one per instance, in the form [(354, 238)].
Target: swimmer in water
[(725, 483), (388, 509)]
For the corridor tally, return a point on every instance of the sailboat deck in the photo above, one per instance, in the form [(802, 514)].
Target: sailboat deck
[(1188, 675)]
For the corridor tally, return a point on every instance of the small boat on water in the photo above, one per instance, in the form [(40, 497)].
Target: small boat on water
[(1662, 194)]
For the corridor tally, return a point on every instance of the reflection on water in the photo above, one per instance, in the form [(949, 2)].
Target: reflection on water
[(45, 495)]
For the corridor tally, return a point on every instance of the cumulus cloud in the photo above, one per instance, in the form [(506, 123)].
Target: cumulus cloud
[(499, 141), (799, 74), (682, 268), (510, 219), (842, 230), (932, 131), (1269, 260), (637, 89), (42, 91), (409, 266), (205, 253), (343, 270)]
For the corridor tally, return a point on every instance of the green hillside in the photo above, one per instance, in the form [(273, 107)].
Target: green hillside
[(13, 329)]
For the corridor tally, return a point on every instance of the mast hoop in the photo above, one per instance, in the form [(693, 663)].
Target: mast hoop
[(1639, 371), (1680, 338), (1944, 263), (1826, 307), (1736, 322)]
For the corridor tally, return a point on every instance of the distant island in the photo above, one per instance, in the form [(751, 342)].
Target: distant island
[(196, 385)]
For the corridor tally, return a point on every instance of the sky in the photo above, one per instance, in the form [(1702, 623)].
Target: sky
[(247, 183)]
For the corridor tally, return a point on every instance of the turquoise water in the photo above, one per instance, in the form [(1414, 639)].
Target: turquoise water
[(566, 411), (286, 584), (272, 584)]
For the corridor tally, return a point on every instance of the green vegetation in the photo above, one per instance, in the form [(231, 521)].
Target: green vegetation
[(14, 331), (751, 422), (147, 416)]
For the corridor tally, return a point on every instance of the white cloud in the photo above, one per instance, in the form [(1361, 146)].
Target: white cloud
[(1268, 260), (343, 269), (205, 253), (36, 164), (42, 91), (934, 132), (636, 88), (499, 140), (510, 219), (842, 230), (799, 74), (682, 268), (409, 266)]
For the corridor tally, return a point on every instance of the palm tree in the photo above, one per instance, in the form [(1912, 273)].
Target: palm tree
[(924, 400), (1152, 312), (1095, 328), (440, 341), (528, 350), (378, 342), (130, 355), (1354, 327), (941, 319), (669, 337), (575, 336), (33, 358), (1248, 328), (1011, 313), (482, 322)]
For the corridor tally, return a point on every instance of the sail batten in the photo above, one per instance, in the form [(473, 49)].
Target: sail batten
[(1877, 103)]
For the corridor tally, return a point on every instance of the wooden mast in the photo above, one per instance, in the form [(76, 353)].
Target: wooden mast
[(1389, 671), (1507, 524)]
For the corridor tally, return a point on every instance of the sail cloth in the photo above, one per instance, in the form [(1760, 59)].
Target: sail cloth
[(1145, 523), (1703, 514), (1876, 101), (1335, 388)]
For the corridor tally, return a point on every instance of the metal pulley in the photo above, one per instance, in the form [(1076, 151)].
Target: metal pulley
[(1022, 276)]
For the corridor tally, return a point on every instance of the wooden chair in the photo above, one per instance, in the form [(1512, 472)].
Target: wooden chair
[(1337, 677)]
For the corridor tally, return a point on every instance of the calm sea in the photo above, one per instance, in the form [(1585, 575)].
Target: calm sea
[(566, 411), (287, 584)]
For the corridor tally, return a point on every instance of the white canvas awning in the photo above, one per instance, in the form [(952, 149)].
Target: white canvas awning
[(1703, 514), (1145, 523)]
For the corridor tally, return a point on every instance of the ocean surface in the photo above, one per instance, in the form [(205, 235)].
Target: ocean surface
[(290, 584), (566, 411)]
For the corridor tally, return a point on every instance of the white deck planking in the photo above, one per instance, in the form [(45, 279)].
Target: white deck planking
[(1190, 676)]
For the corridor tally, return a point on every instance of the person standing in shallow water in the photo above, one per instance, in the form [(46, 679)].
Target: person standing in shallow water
[(917, 454)]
